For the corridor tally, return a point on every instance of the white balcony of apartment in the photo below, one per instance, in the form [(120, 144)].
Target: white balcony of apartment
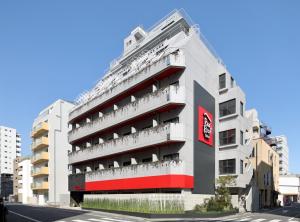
[(40, 143), (151, 102), (161, 134), (158, 168), (166, 65), (40, 157)]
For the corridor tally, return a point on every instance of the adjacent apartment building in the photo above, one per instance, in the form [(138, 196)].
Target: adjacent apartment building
[(10, 148), (23, 180), (165, 112), (289, 188), (50, 149), (280, 144)]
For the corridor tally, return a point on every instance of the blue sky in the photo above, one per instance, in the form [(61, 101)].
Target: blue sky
[(57, 49)]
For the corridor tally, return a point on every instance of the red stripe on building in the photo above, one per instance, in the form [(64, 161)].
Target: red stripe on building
[(151, 182)]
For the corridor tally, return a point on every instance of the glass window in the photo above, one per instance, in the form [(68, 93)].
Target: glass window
[(242, 138), (227, 166), (241, 166), (222, 81), (227, 108), (227, 137), (242, 109), (231, 82)]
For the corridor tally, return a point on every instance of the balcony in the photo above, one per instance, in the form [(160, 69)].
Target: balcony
[(149, 103), (39, 158), (39, 129), (40, 186), (42, 171), (40, 143), (166, 65), (161, 134)]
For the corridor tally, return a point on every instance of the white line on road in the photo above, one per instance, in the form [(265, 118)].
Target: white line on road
[(233, 218), (258, 220), (28, 218), (275, 220), (245, 219), (99, 220), (117, 220), (80, 220)]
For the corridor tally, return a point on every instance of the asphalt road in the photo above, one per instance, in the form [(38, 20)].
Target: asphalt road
[(22, 213)]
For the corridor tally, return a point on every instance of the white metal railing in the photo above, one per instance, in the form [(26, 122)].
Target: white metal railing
[(151, 101), (114, 84), (144, 138), (138, 170)]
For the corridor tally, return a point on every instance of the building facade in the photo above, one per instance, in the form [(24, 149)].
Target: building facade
[(289, 188), (265, 161), (280, 144), (166, 111), (23, 180), (50, 149), (10, 148)]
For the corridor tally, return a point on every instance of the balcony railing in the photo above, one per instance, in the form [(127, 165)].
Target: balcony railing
[(42, 171), (139, 170), (40, 143), (39, 158), (151, 102), (39, 129), (40, 186), (151, 70), (153, 136)]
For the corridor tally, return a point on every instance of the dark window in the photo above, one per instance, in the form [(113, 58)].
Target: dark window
[(222, 81), (147, 160), (231, 82), (227, 108), (147, 127), (110, 166), (241, 166), (127, 133), (242, 138), (227, 137), (127, 163), (173, 156), (172, 120), (242, 109), (227, 166)]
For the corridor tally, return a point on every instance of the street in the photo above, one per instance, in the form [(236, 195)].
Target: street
[(22, 213)]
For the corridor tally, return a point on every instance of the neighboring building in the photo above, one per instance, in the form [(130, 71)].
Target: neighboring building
[(16, 170), (280, 144), (265, 161), (167, 111), (23, 180), (10, 148), (49, 159), (289, 188)]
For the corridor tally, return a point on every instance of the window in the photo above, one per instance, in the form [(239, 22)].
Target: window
[(242, 109), (231, 82), (227, 137), (173, 156), (147, 160), (241, 166), (242, 138), (172, 120), (227, 108), (222, 81), (227, 166), (127, 163)]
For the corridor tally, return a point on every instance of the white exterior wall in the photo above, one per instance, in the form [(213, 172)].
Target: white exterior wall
[(289, 185), (57, 117), (8, 149), (25, 181)]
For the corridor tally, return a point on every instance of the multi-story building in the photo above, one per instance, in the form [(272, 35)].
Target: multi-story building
[(280, 144), (50, 149), (10, 148), (265, 161), (22, 180), (153, 123), (289, 188)]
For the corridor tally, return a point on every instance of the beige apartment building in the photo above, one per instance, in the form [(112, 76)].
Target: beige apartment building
[(265, 161)]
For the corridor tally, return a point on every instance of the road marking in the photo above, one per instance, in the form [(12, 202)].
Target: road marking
[(117, 220), (80, 220), (275, 220), (99, 220), (28, 218), (285, 211), (258, 220), (229, 219), (245, 219)]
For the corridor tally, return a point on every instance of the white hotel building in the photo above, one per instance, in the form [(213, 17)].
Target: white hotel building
[(166, 118)]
